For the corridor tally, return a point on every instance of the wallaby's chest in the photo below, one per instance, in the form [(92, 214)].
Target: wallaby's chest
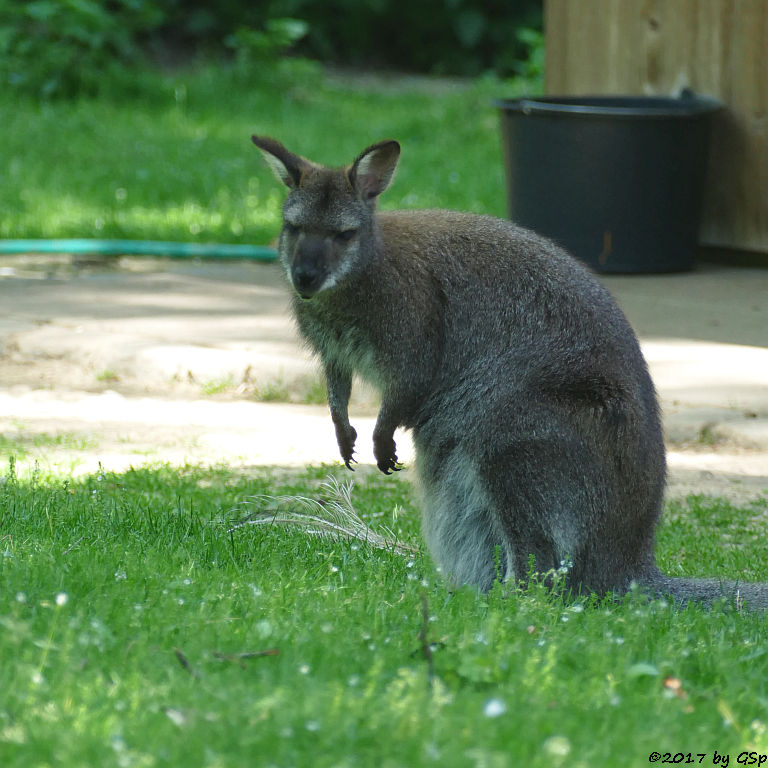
[(343, 343)]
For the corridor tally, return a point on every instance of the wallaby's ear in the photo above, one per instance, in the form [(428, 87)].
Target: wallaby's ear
[(374, 169), (288, 168)]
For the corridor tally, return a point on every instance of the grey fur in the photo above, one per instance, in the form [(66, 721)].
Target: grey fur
[(533, 414)]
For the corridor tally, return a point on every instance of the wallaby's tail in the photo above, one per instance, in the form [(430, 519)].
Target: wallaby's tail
[(707, 591)]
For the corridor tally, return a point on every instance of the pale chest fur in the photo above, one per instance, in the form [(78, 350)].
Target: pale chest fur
[(343, 346)]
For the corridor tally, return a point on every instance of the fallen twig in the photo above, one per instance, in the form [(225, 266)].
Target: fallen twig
[(184, 661), (238, 658)]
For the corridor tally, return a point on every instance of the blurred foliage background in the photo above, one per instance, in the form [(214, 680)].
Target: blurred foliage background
[(59, 48)]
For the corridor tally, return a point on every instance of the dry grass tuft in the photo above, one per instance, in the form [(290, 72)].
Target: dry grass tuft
[(332, 515)]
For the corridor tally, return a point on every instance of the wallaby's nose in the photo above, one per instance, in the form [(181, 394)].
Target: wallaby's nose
[(307, 279), (310, 266)]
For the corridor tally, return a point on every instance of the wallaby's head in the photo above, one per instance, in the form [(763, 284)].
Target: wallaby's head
[(328, 214)]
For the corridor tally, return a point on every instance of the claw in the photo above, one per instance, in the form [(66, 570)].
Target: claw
[(390, 466)]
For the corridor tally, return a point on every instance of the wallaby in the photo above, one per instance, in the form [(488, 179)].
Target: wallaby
[(534, 417)]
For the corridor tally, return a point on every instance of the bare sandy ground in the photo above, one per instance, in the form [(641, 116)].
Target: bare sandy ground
[(144, 361)]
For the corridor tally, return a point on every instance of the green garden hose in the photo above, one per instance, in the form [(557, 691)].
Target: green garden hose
[(171, 250)]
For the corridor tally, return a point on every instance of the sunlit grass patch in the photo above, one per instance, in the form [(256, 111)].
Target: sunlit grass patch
[(306, 390), (23, 444), (218, 385), (156, 167), (108, 376), (144, 626), (273, 391)]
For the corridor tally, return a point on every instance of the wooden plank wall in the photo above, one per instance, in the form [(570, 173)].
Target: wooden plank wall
[(658, 47)]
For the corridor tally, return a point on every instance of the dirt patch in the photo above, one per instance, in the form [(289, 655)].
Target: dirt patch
[(134, 361)]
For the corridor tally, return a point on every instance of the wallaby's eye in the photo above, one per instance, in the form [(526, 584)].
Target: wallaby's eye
[(290, 229), (345, 235)]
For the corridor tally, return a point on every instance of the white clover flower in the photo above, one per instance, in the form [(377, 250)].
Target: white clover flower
[(494, 708), (558, 746)]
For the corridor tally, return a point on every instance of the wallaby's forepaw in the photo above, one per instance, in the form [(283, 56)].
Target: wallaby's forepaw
[(388, 466), (386, 458), (345, 437)]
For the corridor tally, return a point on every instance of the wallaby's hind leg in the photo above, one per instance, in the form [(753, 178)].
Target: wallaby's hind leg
[(562, 501), (536, 504), (487, 519), (541, 500), (458, 522)]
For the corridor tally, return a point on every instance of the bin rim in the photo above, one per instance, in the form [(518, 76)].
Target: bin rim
[(688, 104)]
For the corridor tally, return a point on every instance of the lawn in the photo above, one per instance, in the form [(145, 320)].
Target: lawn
[(140, 626), (175, 161)]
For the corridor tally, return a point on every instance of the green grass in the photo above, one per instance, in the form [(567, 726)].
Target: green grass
[(26, 444), (108, 376), (315, 392), (218, 385), (139, 627), (310, 390), (176, 162)]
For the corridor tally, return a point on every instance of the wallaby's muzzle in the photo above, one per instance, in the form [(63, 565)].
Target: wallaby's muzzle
[(310, 266)]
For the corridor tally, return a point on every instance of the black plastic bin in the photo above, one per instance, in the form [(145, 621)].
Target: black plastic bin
[(617, 180)]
